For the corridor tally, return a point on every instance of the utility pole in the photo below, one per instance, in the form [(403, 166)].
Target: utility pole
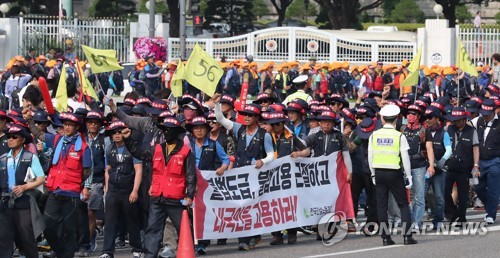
[(182, 28), (152, 18)]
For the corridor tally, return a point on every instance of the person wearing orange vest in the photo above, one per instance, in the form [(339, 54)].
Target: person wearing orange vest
[(174, 181), (71, 166)]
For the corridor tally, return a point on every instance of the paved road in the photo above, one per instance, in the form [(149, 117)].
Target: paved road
[(356, 245)]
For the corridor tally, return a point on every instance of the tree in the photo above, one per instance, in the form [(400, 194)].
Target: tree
[(281, 7), (388, 6), (344, 13), (497, 17), (259, 8), (462, 13), (112, 8), (407, 11), (298, 9), (449, 7), (160, 7), (236, 13)]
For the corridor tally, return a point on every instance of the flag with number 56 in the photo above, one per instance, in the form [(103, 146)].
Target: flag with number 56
[(202, 71)]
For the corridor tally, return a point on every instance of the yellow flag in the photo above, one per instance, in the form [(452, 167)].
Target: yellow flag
[(413, 68), (85, 83), (101, 60), (463, 60), (202, 71), (62, 92), (176, 83)]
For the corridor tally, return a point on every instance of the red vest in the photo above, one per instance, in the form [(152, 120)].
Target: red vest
[(396, 81), (323, 84), (368, 81), (67, 174), (169, 180), (378, 83)]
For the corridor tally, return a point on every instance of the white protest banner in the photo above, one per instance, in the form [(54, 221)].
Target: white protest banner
[(285, 193)]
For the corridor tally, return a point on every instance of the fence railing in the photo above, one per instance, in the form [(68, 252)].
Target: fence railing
[(480, 43), (51, 32), (292, 43)]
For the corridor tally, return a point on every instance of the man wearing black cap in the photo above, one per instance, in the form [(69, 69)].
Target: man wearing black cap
[(438, 145), (465, 159), (20, 174), (166, 199), (254, 147), (488, 129), (71, 166), (388, 157), (122, 181), (285, 143)]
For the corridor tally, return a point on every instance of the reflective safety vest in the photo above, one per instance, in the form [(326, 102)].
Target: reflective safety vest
[(169, 180), (385, 148)]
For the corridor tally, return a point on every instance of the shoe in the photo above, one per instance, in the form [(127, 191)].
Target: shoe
[(388, 241), (104, 256), (350, 227), (277, 241), (221, 241), (93, 242), (84, 252), (292, 239), (409, 240), (16, 253), (136, 255), (254, 242), (166, 252), (489, 220), (49, 254), (243, 247), (200, 249), (120, 244)]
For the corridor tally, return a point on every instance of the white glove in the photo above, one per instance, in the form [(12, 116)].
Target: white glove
[(410, 183), (373, 180)]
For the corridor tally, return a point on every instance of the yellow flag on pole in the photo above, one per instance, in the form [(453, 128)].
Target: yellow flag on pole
[(463, 60), (179, 75), (101, 60), (413, 68), (87, 88), (62, 92), (202, 71)]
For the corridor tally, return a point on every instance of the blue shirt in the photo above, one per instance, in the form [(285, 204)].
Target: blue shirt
[(221, 154), (13, 162)]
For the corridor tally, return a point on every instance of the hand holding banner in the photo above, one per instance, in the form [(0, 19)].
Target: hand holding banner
[(202, 71), (101, 60)]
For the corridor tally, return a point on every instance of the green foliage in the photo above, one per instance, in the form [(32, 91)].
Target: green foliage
[(497, 17), (365, 17), (463, 14), (388, 6), (407, 11), (112, 8), (297, 10), (401, 26), (323, 20), (259, 8), (236, 13)]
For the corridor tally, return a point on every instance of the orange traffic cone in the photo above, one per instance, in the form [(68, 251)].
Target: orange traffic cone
[(186, 247)]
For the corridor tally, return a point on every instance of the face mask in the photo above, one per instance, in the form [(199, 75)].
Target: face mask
[(411, 118), (170, 136)]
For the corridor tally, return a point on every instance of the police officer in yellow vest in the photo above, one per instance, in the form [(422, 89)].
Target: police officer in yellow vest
[(388, 158)]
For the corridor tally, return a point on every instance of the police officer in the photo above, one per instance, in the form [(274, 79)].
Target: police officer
[(16, 191), (285, 143), (122, 181), (488, 128), (166, 200), (388, 156), (465, 158), (301, 84), (71, 166), (254, 146)]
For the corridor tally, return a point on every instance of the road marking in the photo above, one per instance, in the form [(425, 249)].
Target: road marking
[(354, 251)]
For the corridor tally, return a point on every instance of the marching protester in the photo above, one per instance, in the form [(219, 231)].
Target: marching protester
[(20, 174)]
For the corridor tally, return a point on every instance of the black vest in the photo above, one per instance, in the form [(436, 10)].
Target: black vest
[(284, 146), (462, 159), (253, 84), (208, 154), (23, 164), (490, 148), (153, 82), (97, 149), (416, 146), (4, 148), (326, 144), (255, 150), (223, 140), (438, 145), (122, 174)]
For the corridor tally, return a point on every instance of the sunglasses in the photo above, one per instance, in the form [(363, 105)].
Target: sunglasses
[(278, 124), (117, 132), (12, 136)]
